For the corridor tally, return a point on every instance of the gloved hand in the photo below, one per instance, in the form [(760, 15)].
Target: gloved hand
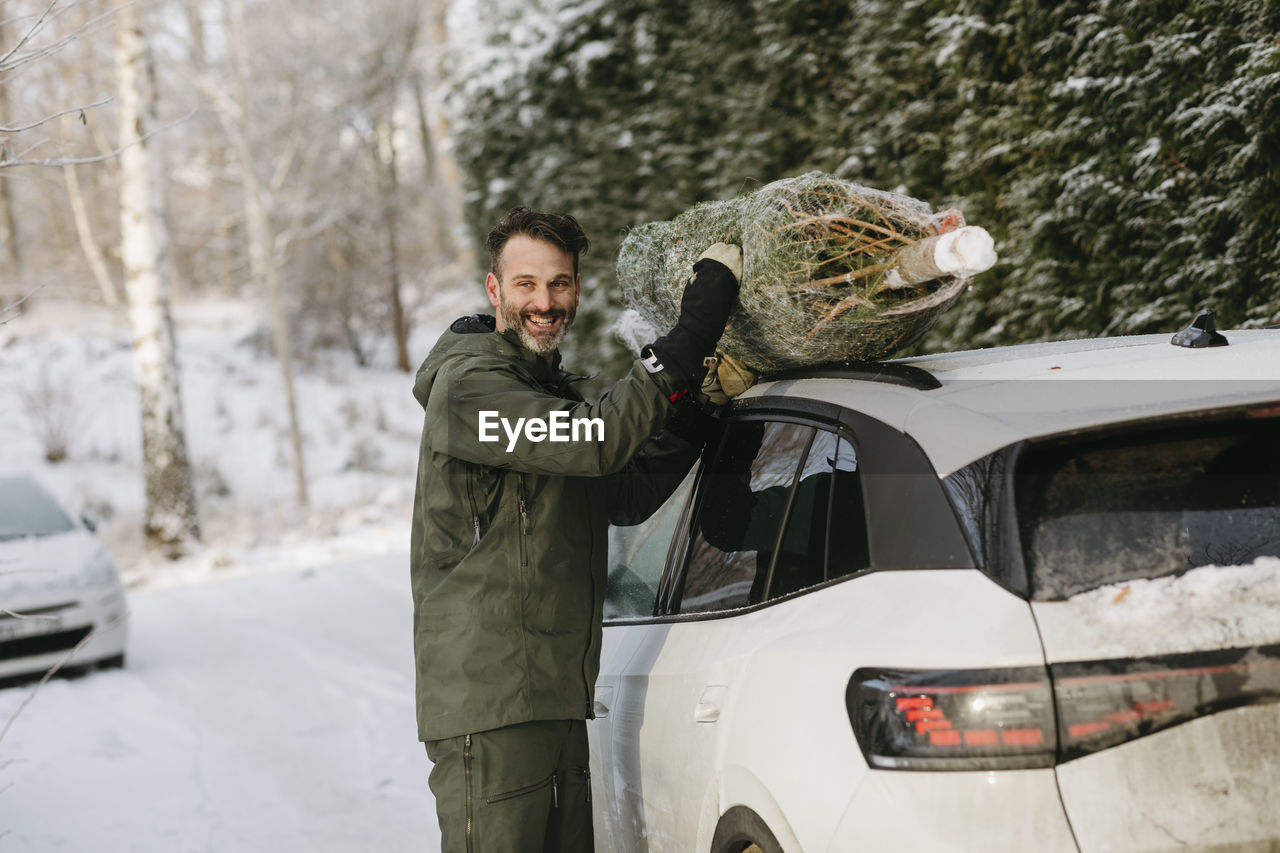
[(708, 298), (727, 379)]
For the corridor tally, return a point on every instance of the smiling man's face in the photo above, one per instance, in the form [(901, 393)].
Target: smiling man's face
[(536, 294)]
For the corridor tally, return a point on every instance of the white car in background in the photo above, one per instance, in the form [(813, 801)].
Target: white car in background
[(1019, 599), (61, 600)]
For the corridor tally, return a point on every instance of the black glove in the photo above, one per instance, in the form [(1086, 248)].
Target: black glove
[(692, 423), (704, 310)]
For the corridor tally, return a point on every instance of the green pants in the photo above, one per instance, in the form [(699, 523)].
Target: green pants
[(519, 789)]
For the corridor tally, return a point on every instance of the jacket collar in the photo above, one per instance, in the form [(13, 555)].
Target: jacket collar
[(487, 323)]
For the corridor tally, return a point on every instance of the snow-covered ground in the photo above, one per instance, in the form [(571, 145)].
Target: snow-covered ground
[(267, 701), (256, 714)]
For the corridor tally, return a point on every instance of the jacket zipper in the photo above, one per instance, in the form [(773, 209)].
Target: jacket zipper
[(471, 503), (586, 656), (585, 773), (524, 522), (466, 772)]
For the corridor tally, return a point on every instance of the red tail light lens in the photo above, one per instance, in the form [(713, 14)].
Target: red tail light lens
[(983, 719), (953, 719), (1104, 703)]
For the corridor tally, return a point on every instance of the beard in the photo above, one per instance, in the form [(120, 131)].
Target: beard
[(539, 343)]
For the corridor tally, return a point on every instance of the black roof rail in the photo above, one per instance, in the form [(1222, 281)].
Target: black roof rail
[(866, 371)]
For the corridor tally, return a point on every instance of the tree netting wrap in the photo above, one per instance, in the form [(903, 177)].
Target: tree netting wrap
[(832, 271)]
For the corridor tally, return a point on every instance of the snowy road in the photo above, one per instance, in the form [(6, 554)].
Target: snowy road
[(272, 712)]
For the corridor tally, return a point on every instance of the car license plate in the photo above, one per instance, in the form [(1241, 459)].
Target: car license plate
[(14, 628)]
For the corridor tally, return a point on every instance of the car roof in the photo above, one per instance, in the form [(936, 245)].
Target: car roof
[(962, 406)]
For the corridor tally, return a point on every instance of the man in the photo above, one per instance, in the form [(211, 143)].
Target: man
[(518, 480)]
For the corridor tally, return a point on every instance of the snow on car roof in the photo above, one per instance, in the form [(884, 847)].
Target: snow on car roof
[(995, 397)]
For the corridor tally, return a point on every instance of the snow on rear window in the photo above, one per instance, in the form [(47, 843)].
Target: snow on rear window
[(1148, 504)]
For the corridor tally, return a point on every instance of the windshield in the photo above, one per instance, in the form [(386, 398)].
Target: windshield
[(27, 510), (1147, 504)]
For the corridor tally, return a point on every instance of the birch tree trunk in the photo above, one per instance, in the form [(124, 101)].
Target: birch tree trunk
[(442, 176), (171, 523), (441, 245), (260, 233), (88, 244), (391, 223), (8, 224)]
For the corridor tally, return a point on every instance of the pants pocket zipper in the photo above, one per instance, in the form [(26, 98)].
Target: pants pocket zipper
[(527, 789), (466, 772)]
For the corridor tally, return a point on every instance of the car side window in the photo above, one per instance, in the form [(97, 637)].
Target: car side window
[(638, 555), (741, 509), (825, 536), (847, 548)]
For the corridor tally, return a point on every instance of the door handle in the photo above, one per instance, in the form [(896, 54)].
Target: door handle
[(604, 695), (712, 702)]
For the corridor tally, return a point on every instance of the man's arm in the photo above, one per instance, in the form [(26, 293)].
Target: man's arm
[(481, 410), (639, 489)]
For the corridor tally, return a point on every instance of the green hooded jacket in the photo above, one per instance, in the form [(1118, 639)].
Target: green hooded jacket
[(509, 543)]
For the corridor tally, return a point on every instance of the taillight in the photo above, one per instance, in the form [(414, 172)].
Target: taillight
[(989, 719), (953, 719), (1104, 703)]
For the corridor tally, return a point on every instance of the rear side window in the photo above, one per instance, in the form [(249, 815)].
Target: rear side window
[(743, 506), (825, 535), (1147, 504), (26, 510), (780, 509)]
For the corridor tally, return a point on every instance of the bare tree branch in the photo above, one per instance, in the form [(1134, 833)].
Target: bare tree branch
[(53, 670), (28, 35), (97, 158), (11, 59), (10, 312), (80, 109), (12, 614)]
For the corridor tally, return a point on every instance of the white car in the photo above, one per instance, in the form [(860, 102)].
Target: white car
[(61, 600), (1019, 599)]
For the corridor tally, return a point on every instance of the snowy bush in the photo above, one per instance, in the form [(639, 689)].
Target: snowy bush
[(48, 398)]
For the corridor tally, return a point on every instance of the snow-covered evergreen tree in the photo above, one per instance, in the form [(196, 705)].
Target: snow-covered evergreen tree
[(1123, 154)]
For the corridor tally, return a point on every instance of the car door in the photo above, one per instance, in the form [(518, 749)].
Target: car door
[(637, 559), (757, 529)]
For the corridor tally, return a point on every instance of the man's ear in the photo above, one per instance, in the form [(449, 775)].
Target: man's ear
[(577, 288), (491, 287)]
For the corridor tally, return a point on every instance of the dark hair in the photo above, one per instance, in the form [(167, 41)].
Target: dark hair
[(558, 229)]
